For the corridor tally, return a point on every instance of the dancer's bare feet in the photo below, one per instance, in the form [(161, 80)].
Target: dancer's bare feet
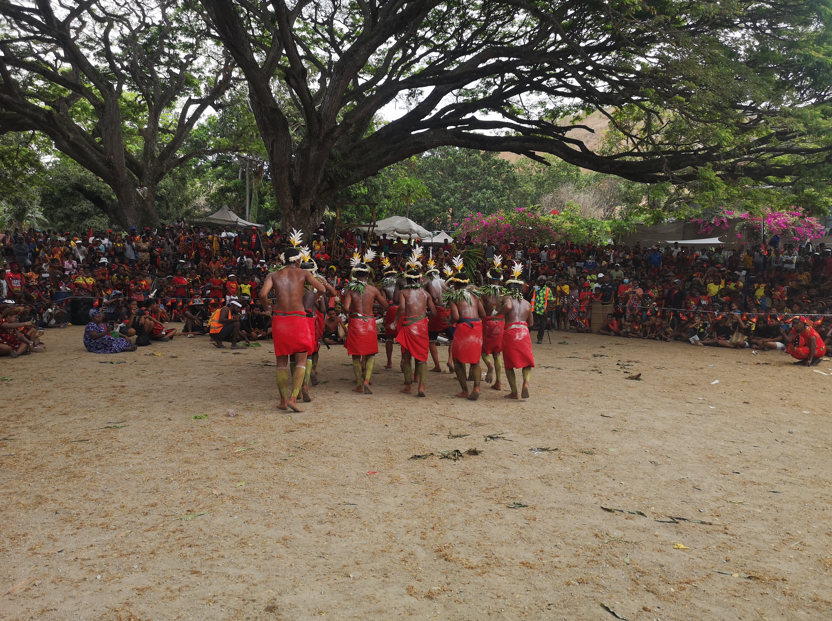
[(436, 370), (358, 389), (463, 395), (305, 394), (512, 395), (282, 405), (489, 375), (367, 389), (408, 390), (475, 394), (292, 402), (389, 365), (421, 392), (525, 392), (314, 378), (497, 386)]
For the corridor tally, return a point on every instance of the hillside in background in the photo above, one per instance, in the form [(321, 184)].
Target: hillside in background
[(592, 139)]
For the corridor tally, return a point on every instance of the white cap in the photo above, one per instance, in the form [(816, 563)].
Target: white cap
[(103, 260), (235, 302), (600, 275)]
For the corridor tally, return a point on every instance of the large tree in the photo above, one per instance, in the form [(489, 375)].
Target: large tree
[(740, 87), (116, 85)]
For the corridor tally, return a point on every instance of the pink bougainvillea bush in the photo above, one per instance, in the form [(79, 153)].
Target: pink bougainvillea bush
[(520, 227), (524, 226), (792, 225)]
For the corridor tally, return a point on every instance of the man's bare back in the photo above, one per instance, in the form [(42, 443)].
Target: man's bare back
[(288, 285), (467, 309), (435, 288), (516, 311), (362, 303), (490, 303), (413, 303)]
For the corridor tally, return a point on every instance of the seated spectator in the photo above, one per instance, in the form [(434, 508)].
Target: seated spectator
[(97, 339)]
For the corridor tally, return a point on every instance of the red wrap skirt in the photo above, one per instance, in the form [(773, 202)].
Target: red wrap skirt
[(517, 346), (468, 341), (439, 322), (319, 331), (389, 318), (493, 329), (413, 337), (291, 333), (362, 339)]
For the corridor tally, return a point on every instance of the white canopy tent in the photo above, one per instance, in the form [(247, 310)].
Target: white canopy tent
[(710, 241), (440, 238), (397, 226), (226, 217)]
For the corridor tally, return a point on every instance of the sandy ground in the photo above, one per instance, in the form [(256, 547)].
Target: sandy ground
[(119, 505)]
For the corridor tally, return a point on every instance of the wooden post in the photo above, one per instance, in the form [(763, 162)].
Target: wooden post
[(335, 234)]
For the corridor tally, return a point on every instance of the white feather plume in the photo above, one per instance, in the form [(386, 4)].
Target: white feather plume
[(296, 238)]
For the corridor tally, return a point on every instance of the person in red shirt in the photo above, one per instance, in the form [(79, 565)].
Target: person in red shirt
[(611, 326), (232, 286), (217, 286), (180, 286), (806, 344), (14, 279)]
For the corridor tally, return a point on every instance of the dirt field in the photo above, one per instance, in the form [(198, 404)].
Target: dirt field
[(118, 504)]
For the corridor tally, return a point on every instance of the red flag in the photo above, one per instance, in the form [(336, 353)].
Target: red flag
[(90, 235)]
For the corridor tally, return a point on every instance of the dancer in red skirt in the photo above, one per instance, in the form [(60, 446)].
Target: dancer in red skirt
[(494, 325), (313, 302), (362, 337), (415, 304), (390, 285), (517, 342), (466, 314), (290, 327)]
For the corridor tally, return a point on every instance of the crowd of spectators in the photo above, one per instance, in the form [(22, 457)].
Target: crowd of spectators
[(140, 280)]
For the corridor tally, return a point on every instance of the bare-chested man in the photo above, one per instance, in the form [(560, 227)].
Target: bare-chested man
[(493, 327), (390, 286), (362, 337), (438, 324), (415, 304), (466, 316), (290, 329), (517, 341)]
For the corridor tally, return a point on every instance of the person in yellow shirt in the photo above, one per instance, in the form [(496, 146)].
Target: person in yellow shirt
[(714, 286)]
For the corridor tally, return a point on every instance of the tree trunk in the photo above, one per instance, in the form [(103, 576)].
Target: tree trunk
[(303, 216), (137, 205)]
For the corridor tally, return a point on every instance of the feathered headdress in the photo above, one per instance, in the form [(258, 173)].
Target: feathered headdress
[(296, 238), (516, 274), (414, 265), (360, 265), (459, 276), (449, 271), (495, 272), (386, 265), (306, 261), (432, 269)]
